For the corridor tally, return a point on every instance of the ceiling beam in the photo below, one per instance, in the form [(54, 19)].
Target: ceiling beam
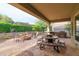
[(61, 20), (34, 10)]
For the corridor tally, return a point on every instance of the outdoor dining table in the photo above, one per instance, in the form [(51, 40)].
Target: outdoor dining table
[(52, 39)]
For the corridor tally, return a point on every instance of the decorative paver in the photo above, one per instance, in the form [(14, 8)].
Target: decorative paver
[(30, 48), (69, 51), (11, 47)]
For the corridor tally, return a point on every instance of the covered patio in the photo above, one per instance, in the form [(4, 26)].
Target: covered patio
[(53, 12), (50, 13)]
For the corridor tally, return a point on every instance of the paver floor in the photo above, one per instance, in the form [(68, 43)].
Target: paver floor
[(12, 48), (30, 48), (35, 51)]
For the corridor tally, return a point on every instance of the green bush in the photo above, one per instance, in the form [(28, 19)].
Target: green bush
[(18, 28), (5, 27)]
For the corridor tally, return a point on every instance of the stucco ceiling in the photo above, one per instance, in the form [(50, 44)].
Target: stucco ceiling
[(52, 12)]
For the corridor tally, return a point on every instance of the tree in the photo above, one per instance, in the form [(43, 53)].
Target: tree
[(5, 19), (39, 26)]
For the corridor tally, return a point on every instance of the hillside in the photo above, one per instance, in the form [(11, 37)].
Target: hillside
[(23, 24), (8, 25), (5, 19)]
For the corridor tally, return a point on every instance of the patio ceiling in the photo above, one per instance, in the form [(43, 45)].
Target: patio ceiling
[(51, 12)]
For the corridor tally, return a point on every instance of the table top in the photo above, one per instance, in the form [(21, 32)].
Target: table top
[(52, 37)]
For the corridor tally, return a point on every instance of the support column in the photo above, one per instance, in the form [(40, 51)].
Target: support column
[(49, 27), (73, 21)]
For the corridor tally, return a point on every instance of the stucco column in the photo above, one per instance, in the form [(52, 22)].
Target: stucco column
[(73, 22), (49, 27)]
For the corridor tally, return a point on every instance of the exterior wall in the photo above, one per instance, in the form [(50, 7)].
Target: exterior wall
[(75, 13)]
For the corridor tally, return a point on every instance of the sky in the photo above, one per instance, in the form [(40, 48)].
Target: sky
[(16, 14)]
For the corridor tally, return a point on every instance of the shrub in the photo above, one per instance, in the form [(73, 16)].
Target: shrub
[(18, 28)]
